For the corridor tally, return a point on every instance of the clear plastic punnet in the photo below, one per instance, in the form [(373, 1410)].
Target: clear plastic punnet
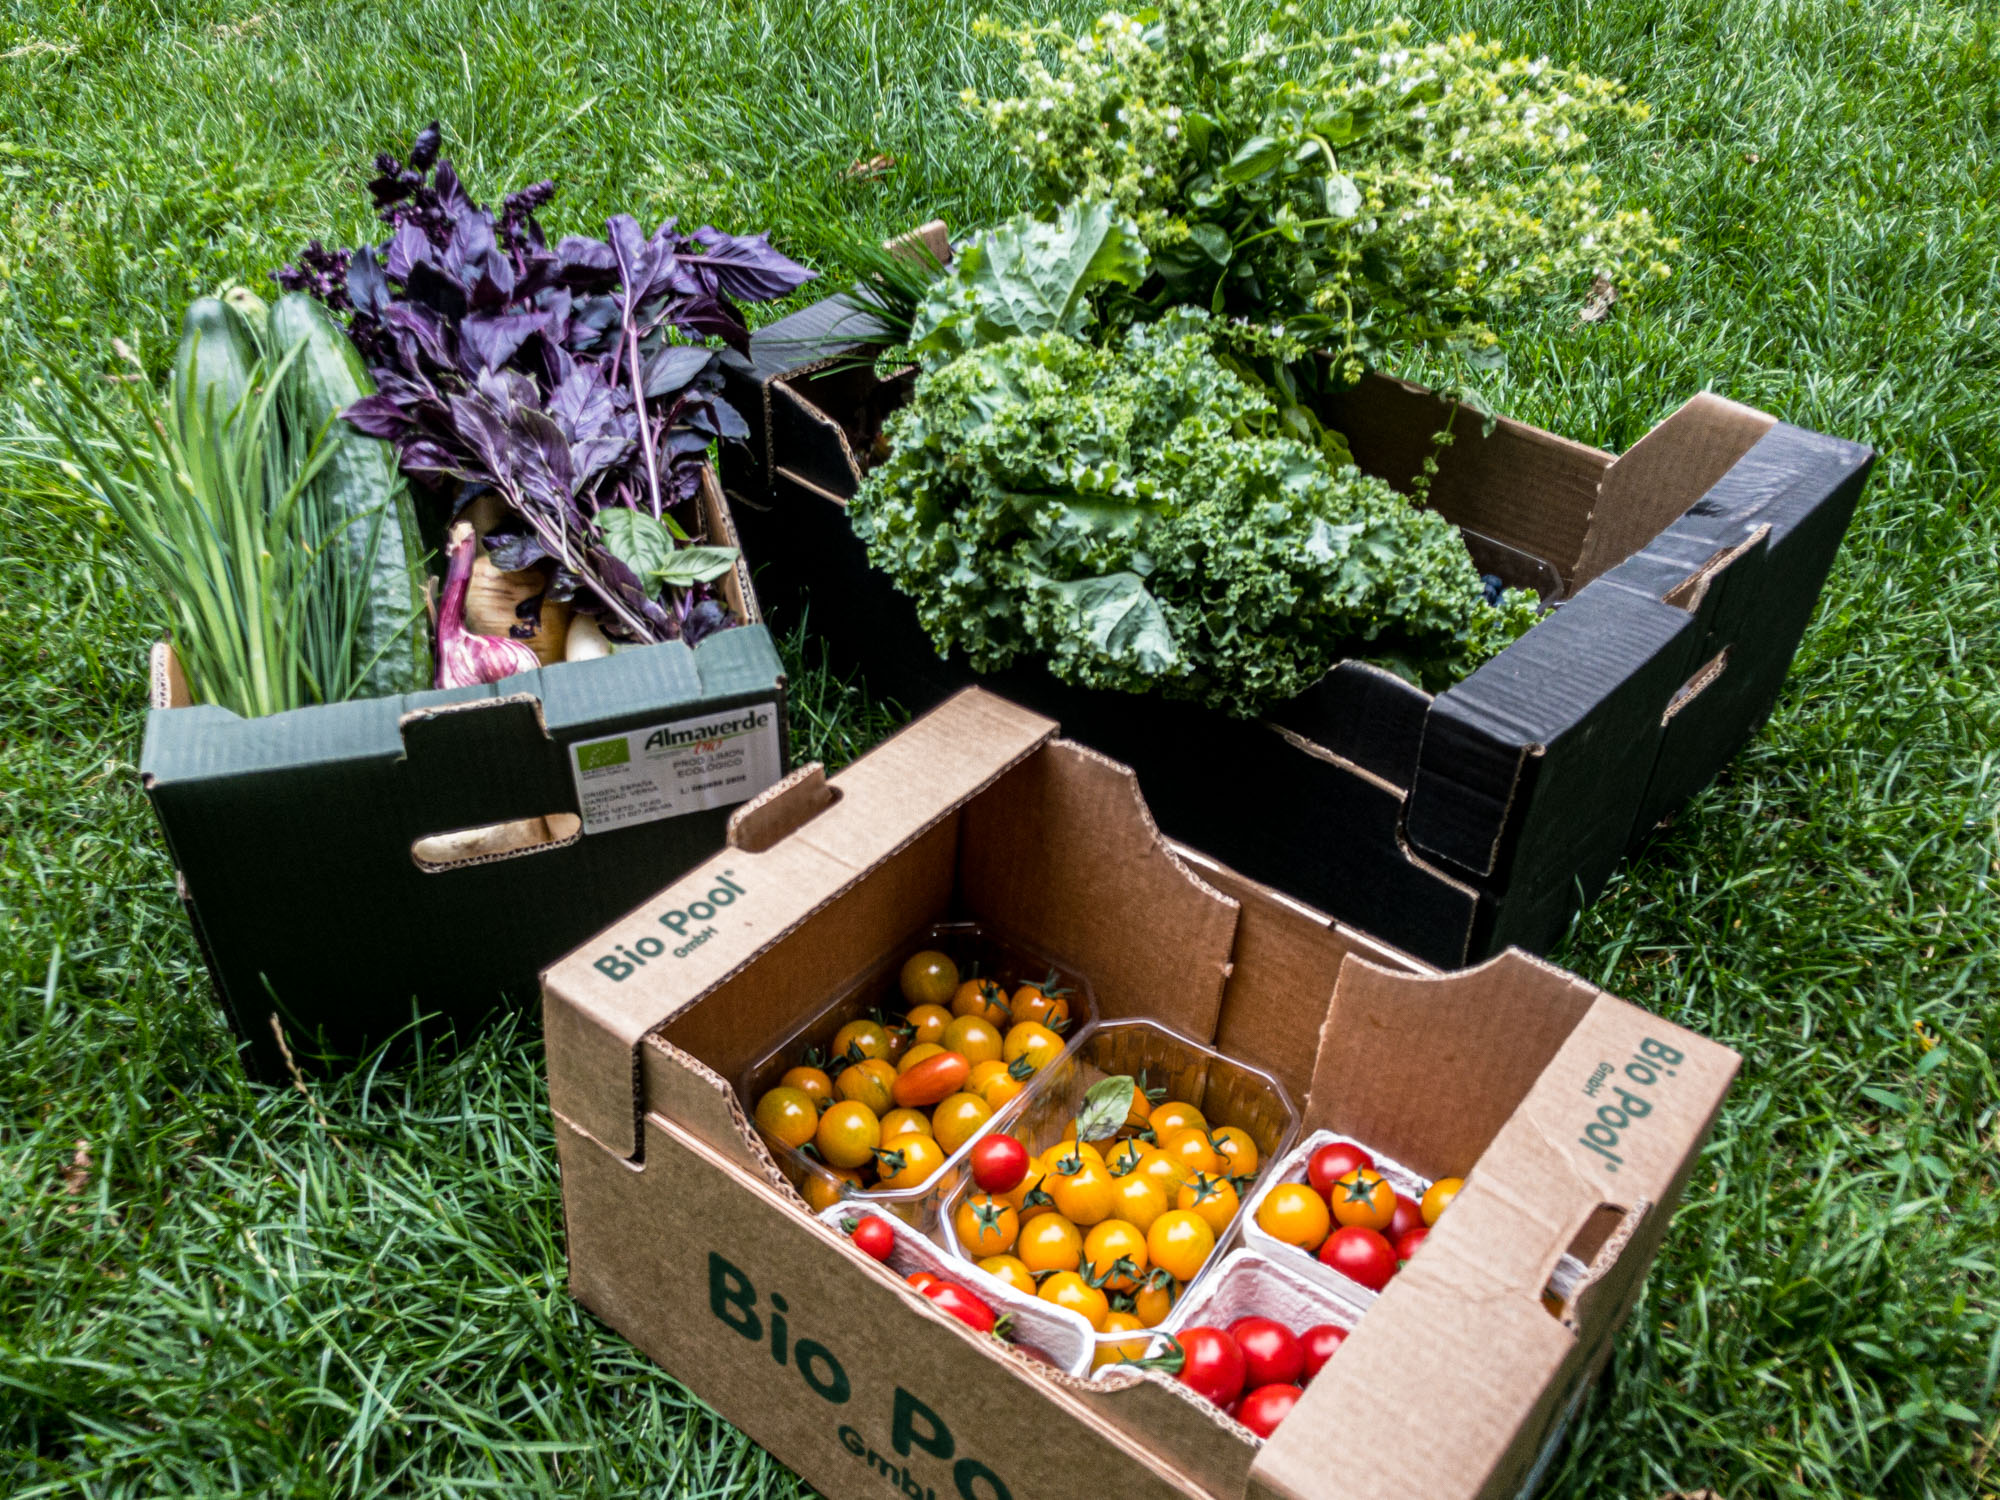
[(1227, 1092), (979, 952)]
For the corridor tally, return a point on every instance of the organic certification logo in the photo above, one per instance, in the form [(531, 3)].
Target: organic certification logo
[(604, 753)]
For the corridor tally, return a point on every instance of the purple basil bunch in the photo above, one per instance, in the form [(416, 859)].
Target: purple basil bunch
[(577, 382)]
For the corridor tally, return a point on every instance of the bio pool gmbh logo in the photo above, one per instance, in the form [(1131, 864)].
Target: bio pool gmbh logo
[(604, 753)]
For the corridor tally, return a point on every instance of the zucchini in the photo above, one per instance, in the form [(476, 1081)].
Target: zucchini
[(361, 492), (215, 363)]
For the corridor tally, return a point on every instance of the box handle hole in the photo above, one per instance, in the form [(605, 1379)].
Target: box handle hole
[(495, 841), (1591, 1254), (1693, 688)]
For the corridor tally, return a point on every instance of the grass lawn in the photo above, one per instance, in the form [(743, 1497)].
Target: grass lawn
[(208, 1286)]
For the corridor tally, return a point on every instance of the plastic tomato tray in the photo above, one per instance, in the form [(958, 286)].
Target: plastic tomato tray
[(1053, 1335), (879, 992), (1562, 1281), (1227, 1092)]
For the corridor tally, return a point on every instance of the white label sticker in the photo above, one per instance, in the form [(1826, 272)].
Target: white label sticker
[(665, 770)]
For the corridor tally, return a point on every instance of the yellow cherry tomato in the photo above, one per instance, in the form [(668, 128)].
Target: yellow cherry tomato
[(986, 1225), (788, 1114), (929, 977), (974, 1039), (1049, 1243), (902, 1122), (1294, 1213), (1067, 1289), (909, 1162), (1032, 1196), (871, 1083), (984, 999), (1214, 1198), (1173, 1115), (1120, 1351), (1115, 1243), (917, 1054), (861, 1039), (1238, 1152), (1127, 1155), (1008, 1268), (1033, 1043), (826, 1186), (1362, 1198), (812, 1082), (927, 1023), (1001, 1090), (1083, 1194), (1162, 1169), (957, 1119), (1138, 1200), (1180, 1240), (1192, 1150), (848, 1134), (1155, 1299), (1033, 1003), (1438, 1196)]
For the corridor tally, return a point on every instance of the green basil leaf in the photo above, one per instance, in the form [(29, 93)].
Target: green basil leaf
[(635, 539), (1254, 158), (1105, 1108), (692, 565)]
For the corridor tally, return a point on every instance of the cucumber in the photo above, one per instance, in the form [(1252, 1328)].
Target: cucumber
[(215, 363), (361, 488)]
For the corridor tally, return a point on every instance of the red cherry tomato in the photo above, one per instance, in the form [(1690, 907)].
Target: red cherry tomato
[(1319, 1342), (873, 1236), (1361, 1255), (1272, 1354), (1406, 1246), (923, 1281), (1267, 1406), (1333, 1161), (1211, 1364), (961, 1304), (999, 1163), (1409, 1215)]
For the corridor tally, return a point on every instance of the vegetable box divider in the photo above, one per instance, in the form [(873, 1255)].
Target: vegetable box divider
[(350, 865), (1579, 1116), (1452, 825)]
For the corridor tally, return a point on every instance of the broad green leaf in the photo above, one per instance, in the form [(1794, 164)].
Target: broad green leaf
[(635, 539), (692, 565), (1106, 1107), (1254, 158), (1343, 198), (1030, 276)]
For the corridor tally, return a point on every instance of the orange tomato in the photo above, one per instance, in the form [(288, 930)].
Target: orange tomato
[(1083, 1195), (1171, 1116), (984, 999), (1115, 1243), (1154, 1299), (1049, 1243), (1138, 1200), (1162, 1169), (1191, 1148), (1180, 1240), (812, 1082), (1294, 1213), (848, 1134), (1363, 1199), (861, 1039), (1438, 1196), (927, 1024), (788, 1114), (1067, 1289), (931, 1080), (909, 1162), (929, 977), (918, 1053), (1033, 1043), (1033, 1003), (1119, 1351), (986, 1225), (1214, 1198), (974, 1038), (902, 1122), (871, 1083), (1238, 1152), (826, 1186), (957, 1119), (1008, 1268)]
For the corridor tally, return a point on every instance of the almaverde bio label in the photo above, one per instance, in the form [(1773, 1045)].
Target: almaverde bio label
[(665, 770)]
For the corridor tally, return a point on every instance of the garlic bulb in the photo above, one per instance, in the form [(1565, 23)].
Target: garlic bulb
[(490, 598), (586, 640)]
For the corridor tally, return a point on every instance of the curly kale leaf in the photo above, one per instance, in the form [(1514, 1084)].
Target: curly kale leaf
[(1134, 516)]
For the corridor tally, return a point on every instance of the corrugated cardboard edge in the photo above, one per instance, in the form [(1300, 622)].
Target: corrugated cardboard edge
[(594, 1030)]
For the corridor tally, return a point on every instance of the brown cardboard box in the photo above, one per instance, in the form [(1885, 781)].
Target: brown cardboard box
[(1575, 1117)]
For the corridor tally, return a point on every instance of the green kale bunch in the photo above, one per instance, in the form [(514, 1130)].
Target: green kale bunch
[(1131, 513), (1362, 191)]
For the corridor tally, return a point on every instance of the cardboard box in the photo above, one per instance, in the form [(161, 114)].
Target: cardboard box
[(348, 866), (1575, 1117), (1452, 825)]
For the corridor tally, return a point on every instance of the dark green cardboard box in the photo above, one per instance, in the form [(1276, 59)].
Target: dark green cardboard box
[(324, 857)]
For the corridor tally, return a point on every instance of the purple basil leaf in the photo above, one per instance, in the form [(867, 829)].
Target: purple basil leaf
[(378, 416), (671, 368), (495, 339), (407, 246), (424, 149), (434, 287), (745, 266), (582, 403), (513, 551), (366, 286), (591, 325), (704, 620), (729, 421), (423, 326), (452, 198), (708, 315)]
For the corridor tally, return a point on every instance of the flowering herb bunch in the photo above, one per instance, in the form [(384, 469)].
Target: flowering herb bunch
[(1365, 192), (577, 383)]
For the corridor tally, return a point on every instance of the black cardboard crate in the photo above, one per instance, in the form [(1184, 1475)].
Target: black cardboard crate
[(1451, 825), (348, 866)]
